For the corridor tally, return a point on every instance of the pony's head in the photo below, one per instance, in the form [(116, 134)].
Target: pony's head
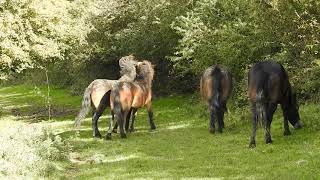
[(293, 112), (145, 70), (127, 66)]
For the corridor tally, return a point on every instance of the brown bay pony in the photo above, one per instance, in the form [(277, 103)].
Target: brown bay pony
[(127, 97), (215, 89), (268, 86), (97, 94)]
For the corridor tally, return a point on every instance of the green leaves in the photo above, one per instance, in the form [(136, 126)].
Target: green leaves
[(35, 32)]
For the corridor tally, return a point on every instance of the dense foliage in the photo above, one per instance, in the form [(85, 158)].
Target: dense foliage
[(82, 40)]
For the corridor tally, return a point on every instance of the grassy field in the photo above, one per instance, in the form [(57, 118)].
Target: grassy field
[(180, 147)]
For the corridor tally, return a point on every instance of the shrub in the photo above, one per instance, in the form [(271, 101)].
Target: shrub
[(29, 151)]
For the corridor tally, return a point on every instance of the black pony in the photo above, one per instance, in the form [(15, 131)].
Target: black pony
[(268, 86), (215, 89)]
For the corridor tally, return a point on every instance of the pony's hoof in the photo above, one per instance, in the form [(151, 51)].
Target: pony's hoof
[(211, 130), (114, 131), (97, 136), (286, 133), (220, 130), (298, 125), (132, 130), (153, 127), (252, 145), (268, 141), (123, 136), (108, 136)]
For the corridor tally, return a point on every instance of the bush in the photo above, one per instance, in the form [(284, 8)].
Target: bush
[(29, 151)]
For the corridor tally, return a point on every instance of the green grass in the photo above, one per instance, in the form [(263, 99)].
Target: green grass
[(181, 146)]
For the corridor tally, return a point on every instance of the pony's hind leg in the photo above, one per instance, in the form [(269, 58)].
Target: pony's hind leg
[(95, 118), (115, 127), (121, 124), (98, 112), (220, 116), (132, 116), (212, 121), (128, 120), (252, 143), (271, 109), (150, 113), (110, 129), (224, 110)]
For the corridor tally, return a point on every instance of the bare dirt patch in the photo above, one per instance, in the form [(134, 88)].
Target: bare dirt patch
[(36, 114)]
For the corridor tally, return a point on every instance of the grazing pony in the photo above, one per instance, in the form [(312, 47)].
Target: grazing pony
[(268, 86), (97, 94), (215, 89), (127, 97)]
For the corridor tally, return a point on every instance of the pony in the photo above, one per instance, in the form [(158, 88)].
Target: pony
[(127, 97), (215, 89), (97, 94), (268, 86)]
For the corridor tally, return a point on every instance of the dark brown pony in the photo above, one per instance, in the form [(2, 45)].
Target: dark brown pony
[(128, 97), (215, 89), (97, 94), (269, 86)]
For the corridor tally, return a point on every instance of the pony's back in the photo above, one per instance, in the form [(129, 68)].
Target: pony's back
[(268, 80)]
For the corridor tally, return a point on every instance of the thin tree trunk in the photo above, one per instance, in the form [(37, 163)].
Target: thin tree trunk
[(48, 96)]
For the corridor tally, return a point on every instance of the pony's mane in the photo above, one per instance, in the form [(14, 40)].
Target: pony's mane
[(127, 67), (145, 73)]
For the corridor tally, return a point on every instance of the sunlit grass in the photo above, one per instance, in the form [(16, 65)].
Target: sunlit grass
[(181, 146)]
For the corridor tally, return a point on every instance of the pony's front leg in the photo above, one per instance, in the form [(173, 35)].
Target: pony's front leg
[(150, 113), (285, 120), (252, 143)]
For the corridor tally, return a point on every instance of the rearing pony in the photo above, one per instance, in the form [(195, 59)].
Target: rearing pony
[(215, 89), (130, 96), (97, 94), (268, 86)]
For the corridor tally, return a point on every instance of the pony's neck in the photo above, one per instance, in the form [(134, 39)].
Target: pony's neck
[(144, 80), (128, 77)]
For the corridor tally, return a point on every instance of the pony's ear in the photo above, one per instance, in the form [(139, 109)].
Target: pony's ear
[(136, 64), (153, 65)]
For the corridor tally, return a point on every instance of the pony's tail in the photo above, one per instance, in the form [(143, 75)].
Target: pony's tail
[(216, 87), (85, 106), (260, 106)]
